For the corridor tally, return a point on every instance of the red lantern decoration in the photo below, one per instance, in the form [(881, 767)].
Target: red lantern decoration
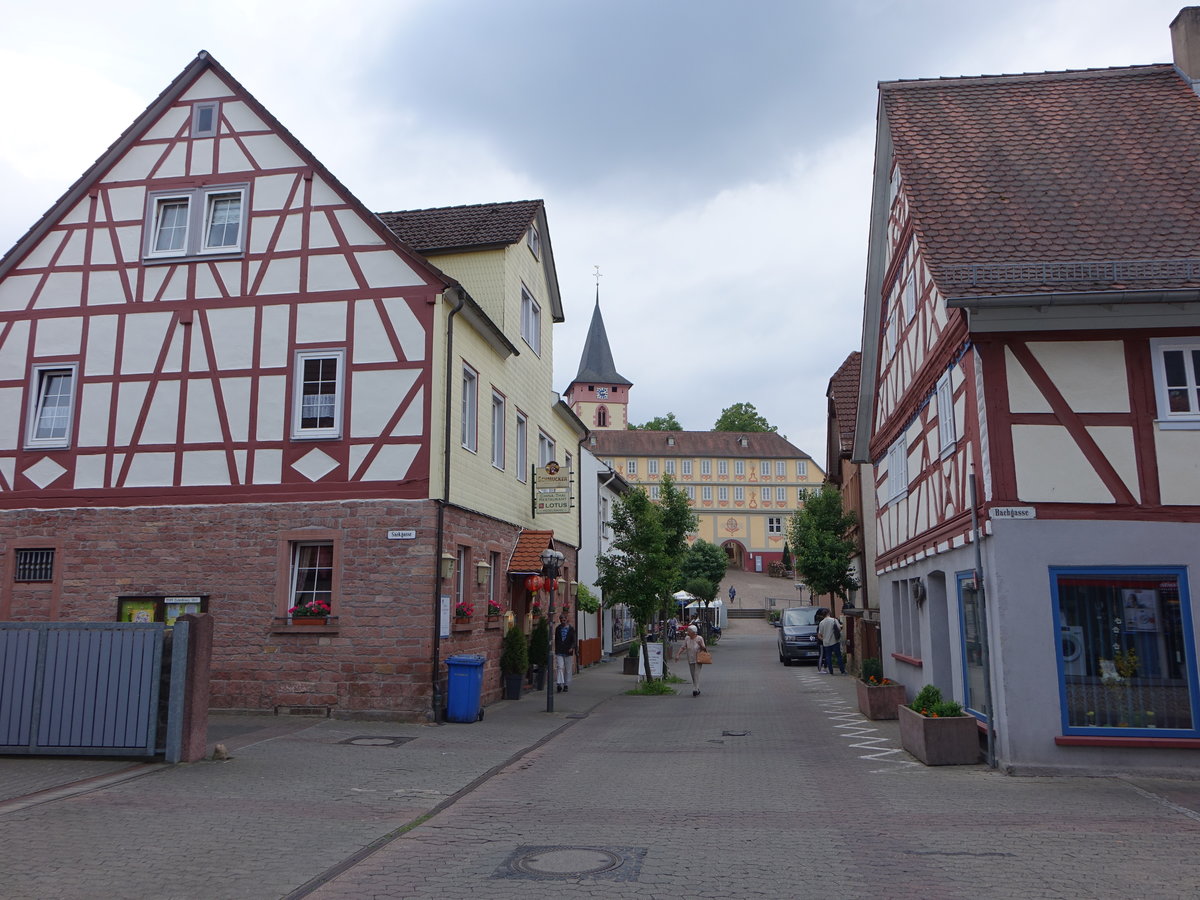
[(533, 583)]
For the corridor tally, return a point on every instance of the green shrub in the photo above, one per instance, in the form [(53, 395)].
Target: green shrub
[(927, 698), (539, 642), (946, 709), (651, 688), (514, 658), (871, 666)]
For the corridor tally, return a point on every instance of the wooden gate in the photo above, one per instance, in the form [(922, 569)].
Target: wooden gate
[(83, 688)]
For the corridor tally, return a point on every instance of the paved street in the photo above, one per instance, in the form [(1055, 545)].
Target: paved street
[(769, 784)]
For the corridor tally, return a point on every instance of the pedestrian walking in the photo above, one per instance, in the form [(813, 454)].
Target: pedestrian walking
[(691, 647), (830, 632), (564, 654), (732, 593)]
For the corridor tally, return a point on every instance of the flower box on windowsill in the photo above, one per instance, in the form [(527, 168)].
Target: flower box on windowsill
[(301, 625), (462, 624), (492, 622)]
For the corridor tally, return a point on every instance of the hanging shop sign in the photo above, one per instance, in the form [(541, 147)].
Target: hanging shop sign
[(551, 489)]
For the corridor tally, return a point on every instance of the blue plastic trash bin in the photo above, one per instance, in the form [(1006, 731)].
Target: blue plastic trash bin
[(466, 685)]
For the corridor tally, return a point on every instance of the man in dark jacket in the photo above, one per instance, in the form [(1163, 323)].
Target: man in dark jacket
[(564, 652)]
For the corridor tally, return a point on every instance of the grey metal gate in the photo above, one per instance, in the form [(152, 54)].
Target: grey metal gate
[(80, 688)]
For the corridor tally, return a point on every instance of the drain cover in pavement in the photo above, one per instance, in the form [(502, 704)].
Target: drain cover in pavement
[(561, 863), (374, 740)]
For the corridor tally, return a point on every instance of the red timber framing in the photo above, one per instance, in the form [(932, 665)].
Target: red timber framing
[(185, 368)]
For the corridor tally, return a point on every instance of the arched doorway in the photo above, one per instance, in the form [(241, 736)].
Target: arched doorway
[(736, 554)]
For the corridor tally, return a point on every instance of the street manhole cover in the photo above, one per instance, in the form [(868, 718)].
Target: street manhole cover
[(567, 863), (374, 740)]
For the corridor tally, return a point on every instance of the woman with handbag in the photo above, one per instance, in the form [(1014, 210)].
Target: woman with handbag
[(693, 646)]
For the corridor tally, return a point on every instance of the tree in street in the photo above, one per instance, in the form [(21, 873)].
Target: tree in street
[(705, 560), (659, 423), (649, 543), (821, 545), (742, 417)]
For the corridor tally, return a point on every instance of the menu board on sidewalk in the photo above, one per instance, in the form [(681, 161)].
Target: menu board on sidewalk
[(655, 652)]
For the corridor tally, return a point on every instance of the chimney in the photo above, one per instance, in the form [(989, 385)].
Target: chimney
[(1185, 43)]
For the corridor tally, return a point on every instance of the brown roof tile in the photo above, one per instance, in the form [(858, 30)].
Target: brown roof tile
[(843, 392), (760, 444), (1057, 167), (459, 227)]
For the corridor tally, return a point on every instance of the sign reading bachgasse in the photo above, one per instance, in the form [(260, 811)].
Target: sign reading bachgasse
[(551, 489)]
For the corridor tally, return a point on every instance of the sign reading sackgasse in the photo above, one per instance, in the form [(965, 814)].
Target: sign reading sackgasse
[(1012, 512)]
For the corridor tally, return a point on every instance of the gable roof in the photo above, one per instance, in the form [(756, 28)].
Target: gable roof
[(843, 400), (1097, 165), (202, 63), (759, 444), (527, 555), (596, 361), (469, 227)]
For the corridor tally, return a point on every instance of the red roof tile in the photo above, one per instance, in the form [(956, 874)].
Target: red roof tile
[(1058, 167), (527, 556), (760, 444)]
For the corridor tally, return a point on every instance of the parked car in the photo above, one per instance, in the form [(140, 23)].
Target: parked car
[(798, 634)]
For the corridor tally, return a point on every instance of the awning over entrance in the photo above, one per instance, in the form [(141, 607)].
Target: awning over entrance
[(527, 556)]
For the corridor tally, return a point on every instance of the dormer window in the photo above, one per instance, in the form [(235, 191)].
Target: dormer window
[(204, 119), (744, 442), (670, 442)]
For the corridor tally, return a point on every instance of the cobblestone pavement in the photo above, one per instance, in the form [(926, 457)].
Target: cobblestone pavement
[(769, 784)]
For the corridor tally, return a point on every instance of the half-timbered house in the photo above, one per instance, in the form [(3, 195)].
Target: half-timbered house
[(1031, 355), (226, 385)]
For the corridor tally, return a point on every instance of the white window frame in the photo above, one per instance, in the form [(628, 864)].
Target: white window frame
[(546, 449), (690, 490), (722, 467), (765, 495), (199, 204), (198, 110), (669, 467), (531, 321), (533, 241), (781, 494), (774, 524), (297, 595), (764, 467), (706, 467), (947, 429), (652, 467), (780, 468), (1168, 419), (522, 439), (631, 467), (469, 409), (802, 468), (654, 492), (897, 471), (499, 423), (706, 492), (298, 395), (739, 467), (739, 493), (723, 494), (39, 386), (686, 466)]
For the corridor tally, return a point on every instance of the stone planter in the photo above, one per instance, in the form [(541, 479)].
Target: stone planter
[(940, 742), (630, 666), (881, 700)]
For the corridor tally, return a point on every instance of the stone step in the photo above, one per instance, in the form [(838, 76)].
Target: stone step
[(747, 613)]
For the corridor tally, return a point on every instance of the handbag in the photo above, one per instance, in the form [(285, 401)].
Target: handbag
[(703, 658)]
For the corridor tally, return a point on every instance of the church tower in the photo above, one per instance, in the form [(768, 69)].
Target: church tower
[(599, 395)]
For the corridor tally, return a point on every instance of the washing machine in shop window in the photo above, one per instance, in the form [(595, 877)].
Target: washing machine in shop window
[(1074, 658)]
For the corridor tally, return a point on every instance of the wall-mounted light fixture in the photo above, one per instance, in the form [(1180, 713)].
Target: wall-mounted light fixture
[(448, 565), (482, 570)]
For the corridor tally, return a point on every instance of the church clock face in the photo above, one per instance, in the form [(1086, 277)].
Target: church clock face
[(602, 393)]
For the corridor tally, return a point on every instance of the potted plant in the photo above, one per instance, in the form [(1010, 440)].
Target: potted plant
[(463, 610), (937, 731), (878, 697), (514, 660), (310, 612), (631, 658), (494, 610), (539, 648)]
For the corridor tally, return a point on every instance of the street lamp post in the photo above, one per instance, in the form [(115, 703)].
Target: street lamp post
[(552, 562)]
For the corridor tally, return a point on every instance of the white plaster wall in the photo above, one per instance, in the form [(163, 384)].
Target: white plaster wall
[(1178, 466)]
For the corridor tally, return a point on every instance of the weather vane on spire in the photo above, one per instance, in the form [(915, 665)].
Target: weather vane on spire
[(597, 275)]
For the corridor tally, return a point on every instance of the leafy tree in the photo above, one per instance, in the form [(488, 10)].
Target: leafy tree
[(649, 543), (820, 534), (742, 417), (786, 558), (705, 560), (659, 423), (585, 600)]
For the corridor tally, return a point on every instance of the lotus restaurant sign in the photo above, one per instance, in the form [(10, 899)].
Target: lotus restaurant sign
[(551, 489)]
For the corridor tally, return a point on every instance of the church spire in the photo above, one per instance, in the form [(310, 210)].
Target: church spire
[(599, 395), (597, 364)]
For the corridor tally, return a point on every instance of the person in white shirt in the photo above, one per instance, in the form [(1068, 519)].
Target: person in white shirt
[(830, 632)]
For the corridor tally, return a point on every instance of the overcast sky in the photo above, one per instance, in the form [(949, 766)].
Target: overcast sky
[(713, 157)]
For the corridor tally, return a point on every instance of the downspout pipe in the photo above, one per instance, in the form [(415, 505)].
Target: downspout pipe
[(440, 538)]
